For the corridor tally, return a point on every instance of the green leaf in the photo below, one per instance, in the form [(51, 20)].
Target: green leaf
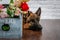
[(10, 12), (11, 1)]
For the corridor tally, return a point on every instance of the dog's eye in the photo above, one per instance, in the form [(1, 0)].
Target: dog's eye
[(28, 14), (32, 20), (37, 19)]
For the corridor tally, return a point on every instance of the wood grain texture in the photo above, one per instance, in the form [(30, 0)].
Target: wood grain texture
[(50, 31)]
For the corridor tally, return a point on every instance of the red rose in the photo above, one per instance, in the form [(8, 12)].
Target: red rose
[(24, 6)]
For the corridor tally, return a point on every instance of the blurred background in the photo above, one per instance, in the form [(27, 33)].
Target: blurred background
[(50, 8)]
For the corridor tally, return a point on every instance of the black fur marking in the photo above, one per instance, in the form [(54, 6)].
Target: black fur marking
[(35, 27), (38, 12)]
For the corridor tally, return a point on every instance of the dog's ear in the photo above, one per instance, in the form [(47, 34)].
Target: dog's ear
[(38, 12)]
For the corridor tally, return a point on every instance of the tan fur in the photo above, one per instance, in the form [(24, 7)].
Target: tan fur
[(33, 16)]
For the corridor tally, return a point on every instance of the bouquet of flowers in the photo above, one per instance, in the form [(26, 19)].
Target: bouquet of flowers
[(3, 13), (14, 9)]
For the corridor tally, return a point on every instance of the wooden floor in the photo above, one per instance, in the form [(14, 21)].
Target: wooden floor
[(50, 31)]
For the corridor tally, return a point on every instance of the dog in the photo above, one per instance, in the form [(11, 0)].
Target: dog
[(32, 20)]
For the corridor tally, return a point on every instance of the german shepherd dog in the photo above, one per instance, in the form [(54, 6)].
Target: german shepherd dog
[(32, 20)]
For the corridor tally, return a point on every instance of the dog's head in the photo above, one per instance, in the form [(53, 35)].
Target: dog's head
[(34, 16), (32, 20)]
